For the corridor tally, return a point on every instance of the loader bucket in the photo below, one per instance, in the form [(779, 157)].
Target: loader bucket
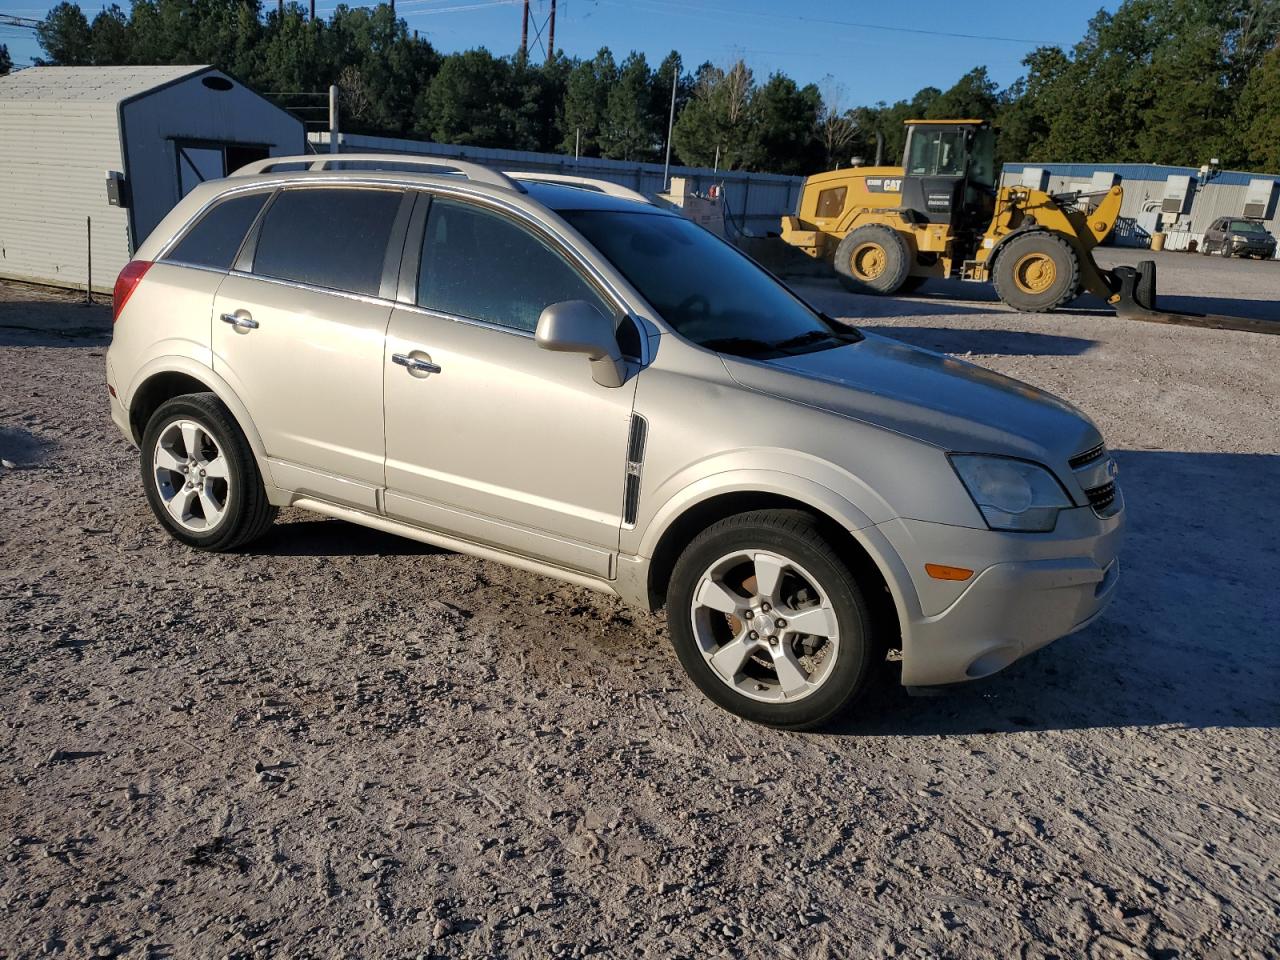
[(1135, 299)]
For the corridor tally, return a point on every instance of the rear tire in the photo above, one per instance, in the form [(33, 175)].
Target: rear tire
[(1036, 272), (873, 259), (201, 477), (738, 598)]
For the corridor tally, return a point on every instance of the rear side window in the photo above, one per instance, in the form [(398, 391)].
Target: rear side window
[(334, 238), (482, 266), (213, 241)]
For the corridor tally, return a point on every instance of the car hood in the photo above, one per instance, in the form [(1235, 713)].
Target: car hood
[(956, 406)]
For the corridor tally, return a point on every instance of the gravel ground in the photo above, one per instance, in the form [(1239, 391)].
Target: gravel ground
[(345, 744)]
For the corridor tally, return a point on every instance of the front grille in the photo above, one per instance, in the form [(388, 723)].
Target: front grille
[(1090, 455), (1102, 497)]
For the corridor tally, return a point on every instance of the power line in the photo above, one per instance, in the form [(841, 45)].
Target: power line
[(677, 8)]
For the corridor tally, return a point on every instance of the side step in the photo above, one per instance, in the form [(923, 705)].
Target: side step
[(1135, 288)]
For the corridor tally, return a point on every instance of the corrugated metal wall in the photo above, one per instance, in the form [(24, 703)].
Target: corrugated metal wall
[(755, 201), (1144, 186), (42, 216)]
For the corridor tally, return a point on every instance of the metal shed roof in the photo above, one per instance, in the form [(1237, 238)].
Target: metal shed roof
[(89, 84)]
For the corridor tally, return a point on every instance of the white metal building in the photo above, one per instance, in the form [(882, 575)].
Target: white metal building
[(64, 131)]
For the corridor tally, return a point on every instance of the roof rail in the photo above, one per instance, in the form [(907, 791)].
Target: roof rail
[(585, 183), (378, 161)]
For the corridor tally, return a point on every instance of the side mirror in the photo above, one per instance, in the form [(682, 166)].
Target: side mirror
[(576, 326)]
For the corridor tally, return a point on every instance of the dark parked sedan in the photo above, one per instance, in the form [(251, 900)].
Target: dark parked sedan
[(1234, 237)]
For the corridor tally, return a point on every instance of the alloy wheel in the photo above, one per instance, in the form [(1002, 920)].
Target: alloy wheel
[(191, 476), (765, 626)]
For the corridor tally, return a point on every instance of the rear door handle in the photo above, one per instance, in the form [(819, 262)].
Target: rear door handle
[(415, 364), (241, 321)]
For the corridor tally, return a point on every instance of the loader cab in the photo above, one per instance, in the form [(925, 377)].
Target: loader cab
[(949, 171)]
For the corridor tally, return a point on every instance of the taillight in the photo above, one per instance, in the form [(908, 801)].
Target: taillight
[(126, 283)]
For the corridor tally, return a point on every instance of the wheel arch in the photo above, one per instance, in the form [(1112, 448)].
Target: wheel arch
[(164, 378), (864, 557)]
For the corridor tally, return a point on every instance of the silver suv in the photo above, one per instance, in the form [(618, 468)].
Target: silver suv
[(566, 378)]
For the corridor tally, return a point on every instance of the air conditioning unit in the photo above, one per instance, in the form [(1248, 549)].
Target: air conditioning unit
[(1177, 191), (1258, 198), (1037, 178)]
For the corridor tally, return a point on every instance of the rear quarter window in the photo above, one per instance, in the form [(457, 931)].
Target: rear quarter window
[(216, 237)]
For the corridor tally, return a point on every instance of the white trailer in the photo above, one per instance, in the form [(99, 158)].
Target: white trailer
[(91, 159)]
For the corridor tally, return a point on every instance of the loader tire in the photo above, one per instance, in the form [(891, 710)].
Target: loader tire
[(1144, 288), (1036, 272), (873, 259)]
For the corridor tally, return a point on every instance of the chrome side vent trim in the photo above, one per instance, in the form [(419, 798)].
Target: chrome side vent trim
[(635, 461)]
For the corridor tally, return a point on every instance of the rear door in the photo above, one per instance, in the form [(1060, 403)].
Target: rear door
[(504, 443), (298, 332)]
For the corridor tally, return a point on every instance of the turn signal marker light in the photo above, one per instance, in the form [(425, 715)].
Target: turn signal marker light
[(941, 571)]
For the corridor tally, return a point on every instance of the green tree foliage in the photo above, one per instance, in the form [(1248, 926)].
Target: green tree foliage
[(586, 101), (1162, 81), (65, 36), (1258, 119), (6, 61)]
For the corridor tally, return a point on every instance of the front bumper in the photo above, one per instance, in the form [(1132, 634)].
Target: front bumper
[(1027, 591), (1252, 248)]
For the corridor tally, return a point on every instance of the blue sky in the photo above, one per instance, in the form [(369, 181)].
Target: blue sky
[(880, 51)]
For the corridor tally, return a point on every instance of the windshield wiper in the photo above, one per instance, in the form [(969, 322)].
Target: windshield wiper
[(816, 336), (745, 346)]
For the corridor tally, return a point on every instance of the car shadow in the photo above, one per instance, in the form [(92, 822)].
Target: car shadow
[(328, 537), (1012, 343), (1190, 641), (39, 322), (22, 448)]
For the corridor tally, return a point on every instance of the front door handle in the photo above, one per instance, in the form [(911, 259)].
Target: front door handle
[(415, 364), (241, 321)]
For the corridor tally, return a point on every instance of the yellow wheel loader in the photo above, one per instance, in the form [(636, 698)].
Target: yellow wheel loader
[(941, 214)]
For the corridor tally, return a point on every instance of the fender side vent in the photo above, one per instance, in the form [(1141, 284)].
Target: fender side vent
[(635, 460)]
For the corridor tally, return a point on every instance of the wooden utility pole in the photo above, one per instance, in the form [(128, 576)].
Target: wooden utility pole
[(524, 31), (551, 34), (313, 9)]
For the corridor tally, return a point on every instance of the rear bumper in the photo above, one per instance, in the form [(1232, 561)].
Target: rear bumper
[(119, 415), (1028, 590)]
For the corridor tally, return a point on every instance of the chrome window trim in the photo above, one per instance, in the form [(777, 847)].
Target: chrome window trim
[(192, 266), (469, 321), (298, 285)]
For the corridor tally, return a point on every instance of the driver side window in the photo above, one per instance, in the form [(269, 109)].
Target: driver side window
[(480, 265)]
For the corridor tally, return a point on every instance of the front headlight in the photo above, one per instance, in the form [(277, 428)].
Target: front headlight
[(1012, 494)]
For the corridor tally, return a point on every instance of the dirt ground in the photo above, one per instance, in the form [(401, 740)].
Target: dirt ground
[(342, 744)]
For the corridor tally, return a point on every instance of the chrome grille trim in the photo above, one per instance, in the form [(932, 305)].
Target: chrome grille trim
[(1089, 456), (635, 461)]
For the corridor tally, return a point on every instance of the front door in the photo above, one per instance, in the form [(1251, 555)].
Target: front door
[(300, 338), (490, 438)]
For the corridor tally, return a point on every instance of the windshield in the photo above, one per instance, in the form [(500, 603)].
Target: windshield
[(704, 288), (1246, 226), (934, 152)]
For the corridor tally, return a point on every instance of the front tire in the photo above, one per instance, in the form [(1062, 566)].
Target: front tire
[(200, 475), (1036, 272), (769, 622), (873, 259)]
